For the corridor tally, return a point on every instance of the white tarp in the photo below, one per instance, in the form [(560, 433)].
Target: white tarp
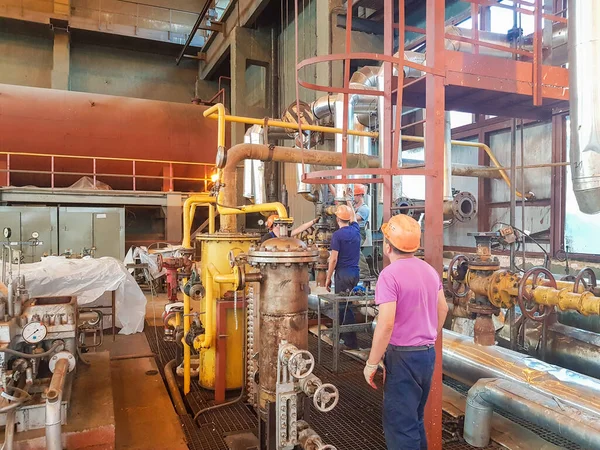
[(88, 279), (145, 258)]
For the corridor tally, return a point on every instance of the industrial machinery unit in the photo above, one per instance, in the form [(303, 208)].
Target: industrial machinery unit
[(37, 353)]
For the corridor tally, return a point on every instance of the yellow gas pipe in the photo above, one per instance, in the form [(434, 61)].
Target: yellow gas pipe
[(188, 217)]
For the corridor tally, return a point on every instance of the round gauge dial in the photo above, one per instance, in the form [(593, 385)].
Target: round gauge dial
[(35, 235), (34, 332), (7, 232)]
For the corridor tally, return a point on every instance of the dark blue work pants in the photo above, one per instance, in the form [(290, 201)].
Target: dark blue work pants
[(408, 380), (346, 280)]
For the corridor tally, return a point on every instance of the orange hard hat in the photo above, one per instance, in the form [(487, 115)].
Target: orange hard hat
[(360, 189), (343, 212), (403, 232), (271, 220)]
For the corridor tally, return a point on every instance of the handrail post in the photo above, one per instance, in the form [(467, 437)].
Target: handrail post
[(8, 169), (52, 171), (94, 162), (170, 177), (133, 164)]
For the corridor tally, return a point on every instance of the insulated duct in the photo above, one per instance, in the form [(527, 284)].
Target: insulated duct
[(584, 66), (544, 410), (254, 171), (468, 362), (447, 157)]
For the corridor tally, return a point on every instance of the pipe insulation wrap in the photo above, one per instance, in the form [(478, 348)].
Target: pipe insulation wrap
[(584, 65)]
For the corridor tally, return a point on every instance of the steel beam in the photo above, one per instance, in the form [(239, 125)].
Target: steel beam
[(434, 190)]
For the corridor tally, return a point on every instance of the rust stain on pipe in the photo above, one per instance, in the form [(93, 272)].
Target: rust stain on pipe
[(240, 152)]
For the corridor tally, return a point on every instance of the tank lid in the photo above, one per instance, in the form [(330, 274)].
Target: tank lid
[(282, 244)]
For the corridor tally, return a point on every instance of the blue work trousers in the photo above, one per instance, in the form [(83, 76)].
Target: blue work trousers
[(407, 384), (346, 280)]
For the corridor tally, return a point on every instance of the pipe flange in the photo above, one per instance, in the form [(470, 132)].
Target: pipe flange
[(221, 158), (464, 206), (500, 282), (62, 355), (486, 310)]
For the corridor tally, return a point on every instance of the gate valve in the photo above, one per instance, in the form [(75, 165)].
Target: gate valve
[(301, 364), (326, 397)]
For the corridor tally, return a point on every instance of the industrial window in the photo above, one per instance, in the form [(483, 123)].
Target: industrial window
[(580, 229), (459, 119), (501, 19)]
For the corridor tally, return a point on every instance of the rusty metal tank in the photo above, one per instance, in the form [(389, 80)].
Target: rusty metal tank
[(282, 305), (49, 121)]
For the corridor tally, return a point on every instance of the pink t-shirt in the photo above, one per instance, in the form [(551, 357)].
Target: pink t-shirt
[(413, 285)]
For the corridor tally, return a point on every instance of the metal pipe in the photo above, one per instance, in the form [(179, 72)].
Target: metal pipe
[(193, 31), (10, 301), (213, 113), (195, 199), (468, 362), (47, 353), (584, 64), (541, 409), (229, 161), (447, 157), (53, 405), (174, 389), (258, 172)]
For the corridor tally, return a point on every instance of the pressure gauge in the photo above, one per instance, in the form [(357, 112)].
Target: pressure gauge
[(34, 332), (35, 235), (7, 232)]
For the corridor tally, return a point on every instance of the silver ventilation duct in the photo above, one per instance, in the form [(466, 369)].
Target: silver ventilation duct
[(447, 157), (254, 170), (584, 66)]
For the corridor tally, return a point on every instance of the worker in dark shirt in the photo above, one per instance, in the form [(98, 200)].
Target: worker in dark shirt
[(274, 228), (345, 253)]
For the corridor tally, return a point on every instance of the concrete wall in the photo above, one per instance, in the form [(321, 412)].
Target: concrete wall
[(25, 59), (112, 71)]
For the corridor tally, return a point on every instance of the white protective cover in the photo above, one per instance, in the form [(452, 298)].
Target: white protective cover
[(87, 279)]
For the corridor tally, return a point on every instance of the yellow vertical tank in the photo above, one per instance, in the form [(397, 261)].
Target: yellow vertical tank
[(214, 253)]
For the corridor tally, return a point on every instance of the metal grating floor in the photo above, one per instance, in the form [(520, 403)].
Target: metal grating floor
[(355, 424)]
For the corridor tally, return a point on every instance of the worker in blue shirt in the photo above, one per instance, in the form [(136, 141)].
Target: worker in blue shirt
[(345, 253)]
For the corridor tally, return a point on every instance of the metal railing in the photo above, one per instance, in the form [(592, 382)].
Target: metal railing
[(169, 178)]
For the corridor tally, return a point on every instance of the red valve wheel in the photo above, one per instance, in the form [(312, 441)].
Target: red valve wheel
[(580, 279), (529, 308), (456, 278)]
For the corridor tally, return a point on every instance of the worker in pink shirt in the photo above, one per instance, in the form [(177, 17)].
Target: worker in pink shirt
[(412, 310)]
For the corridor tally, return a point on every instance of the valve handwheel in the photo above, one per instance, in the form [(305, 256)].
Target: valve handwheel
[(326, 397), (580, 279), (301, 364), (529, 308), (456, 278)]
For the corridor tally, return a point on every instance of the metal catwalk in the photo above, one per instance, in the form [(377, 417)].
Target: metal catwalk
[(355, 424)]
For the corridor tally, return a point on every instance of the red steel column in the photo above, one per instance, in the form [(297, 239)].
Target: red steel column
[(434, 184), (388, 49)]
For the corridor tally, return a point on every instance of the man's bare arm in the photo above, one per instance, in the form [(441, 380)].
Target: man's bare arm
[(442, 310), (383, 332)]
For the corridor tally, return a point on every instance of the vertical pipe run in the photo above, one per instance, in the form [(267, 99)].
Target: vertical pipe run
[(447, 158), (53, 406)]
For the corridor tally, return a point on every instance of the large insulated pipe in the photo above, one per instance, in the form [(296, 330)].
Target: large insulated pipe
[(236, 154), (53, 405), (468, 362), (447, 157), (543, 410), (584, 66)]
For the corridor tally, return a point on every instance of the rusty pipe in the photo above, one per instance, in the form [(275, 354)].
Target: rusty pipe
[(174, 389), (53, 405), (238, 153)]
